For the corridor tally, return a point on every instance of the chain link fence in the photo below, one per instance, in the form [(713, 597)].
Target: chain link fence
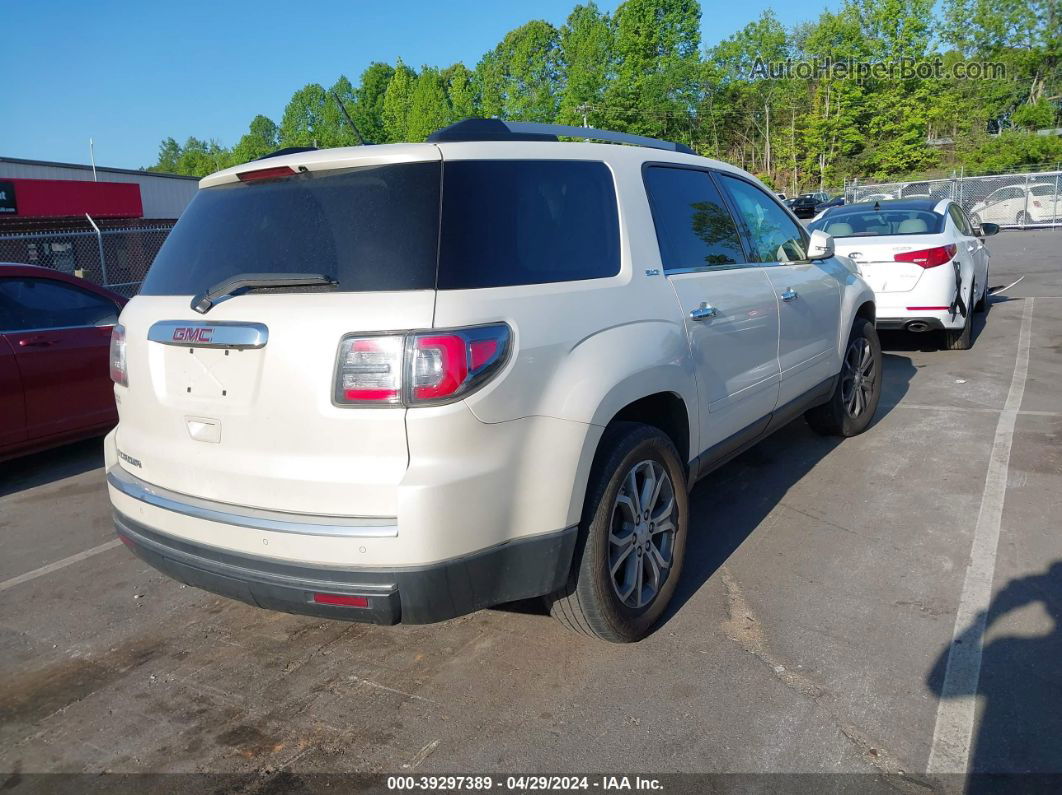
[(1018, 201), (115, 258)]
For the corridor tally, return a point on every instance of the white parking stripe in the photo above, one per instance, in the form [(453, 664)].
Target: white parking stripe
[(59, 564), (950, 752)]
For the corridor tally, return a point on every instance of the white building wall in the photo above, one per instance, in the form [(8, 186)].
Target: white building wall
[(163, 196)]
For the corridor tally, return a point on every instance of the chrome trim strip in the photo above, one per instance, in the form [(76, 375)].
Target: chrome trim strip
[(253, 518), (196, 334)]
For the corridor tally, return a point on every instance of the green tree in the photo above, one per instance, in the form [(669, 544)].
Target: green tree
[(169, 156), (396, 103), (305, 121), (369, 101), (460, 91), (585, 65), (518, 79), (429, 108), (655, 89), (262, 138)]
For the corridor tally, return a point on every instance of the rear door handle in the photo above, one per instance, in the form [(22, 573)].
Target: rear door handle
[(789, 294), (703, 312), (37, 342)]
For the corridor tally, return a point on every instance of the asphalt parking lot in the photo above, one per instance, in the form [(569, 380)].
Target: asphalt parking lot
[(823, 588)]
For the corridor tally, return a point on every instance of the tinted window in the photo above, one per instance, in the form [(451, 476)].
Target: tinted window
[(372, 228), (958, 217), (865, 222), (773, 234), (510, 222), (43, 303), (693, 226)]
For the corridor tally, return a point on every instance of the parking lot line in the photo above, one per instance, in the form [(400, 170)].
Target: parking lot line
[(59, 564), (950, 751)]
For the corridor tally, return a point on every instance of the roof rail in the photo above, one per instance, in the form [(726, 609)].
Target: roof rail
[(499, 130)]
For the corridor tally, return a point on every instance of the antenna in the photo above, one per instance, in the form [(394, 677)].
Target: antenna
[(350, 121)]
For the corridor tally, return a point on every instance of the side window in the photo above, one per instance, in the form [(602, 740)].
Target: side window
[(775, 237), (508, 222), (693, 226), (43, 303), (961, 222)]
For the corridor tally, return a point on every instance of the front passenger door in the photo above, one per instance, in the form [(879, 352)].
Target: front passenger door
[(728, 306), (809, 293)]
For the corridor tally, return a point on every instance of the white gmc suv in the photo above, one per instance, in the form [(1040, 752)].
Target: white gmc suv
[(406, 382)]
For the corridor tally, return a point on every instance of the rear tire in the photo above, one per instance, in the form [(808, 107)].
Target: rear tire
[(961, 340), (982, 302), (632, 537), (855, 398)]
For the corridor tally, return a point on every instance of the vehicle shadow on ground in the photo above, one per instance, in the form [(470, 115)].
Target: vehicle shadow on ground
[(1019, 685), (729, 504), (39, 469)]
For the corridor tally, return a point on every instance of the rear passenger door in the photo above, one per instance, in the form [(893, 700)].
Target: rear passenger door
[(12, 408), (729, 307), (809, 293)]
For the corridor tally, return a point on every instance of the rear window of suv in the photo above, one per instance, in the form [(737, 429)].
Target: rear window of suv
[(503, 222), (371, 228)]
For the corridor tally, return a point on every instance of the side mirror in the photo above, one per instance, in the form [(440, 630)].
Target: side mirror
[(821, 246), (987, 230)]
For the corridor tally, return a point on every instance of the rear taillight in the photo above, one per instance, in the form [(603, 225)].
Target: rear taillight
[(928, 257), (118, 371), (418, 368), (370, 369)]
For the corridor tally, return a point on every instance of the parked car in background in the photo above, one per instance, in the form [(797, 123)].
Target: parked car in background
[(1020, 205), (55, 384), (804, 205), (400, 383), (926, 261), (836, 201)]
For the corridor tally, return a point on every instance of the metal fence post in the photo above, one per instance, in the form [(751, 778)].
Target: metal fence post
[(1055, 206), (1025, 212), (99, 242)]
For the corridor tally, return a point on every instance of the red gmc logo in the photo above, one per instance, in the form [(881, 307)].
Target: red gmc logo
[(193, 334)]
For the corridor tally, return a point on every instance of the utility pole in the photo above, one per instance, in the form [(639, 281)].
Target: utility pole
[(92, 157)]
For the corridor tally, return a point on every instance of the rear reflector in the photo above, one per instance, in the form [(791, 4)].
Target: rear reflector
[(277, 172), (928, 257), (340, 600)]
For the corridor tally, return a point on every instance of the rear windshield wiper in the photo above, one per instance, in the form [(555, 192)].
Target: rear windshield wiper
[(202, 302)]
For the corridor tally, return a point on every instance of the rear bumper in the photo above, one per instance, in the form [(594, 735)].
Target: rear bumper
[(518, 569), (903, 323)]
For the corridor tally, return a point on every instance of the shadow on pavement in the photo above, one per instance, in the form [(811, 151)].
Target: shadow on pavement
[(1020, 728), (39, 469), (730, 503)]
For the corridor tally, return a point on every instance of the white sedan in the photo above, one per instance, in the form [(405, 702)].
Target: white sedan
[(926, 262), (1020, 205)]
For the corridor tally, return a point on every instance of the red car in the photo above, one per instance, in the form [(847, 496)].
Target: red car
[(55, 384)]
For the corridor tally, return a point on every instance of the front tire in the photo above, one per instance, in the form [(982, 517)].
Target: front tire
[(855, 398), (632, 537), (982, 303)]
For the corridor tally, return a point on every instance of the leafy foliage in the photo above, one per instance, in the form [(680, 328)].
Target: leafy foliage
[(641, 69)]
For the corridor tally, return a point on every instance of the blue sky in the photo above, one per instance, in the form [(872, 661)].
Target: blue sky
[(130, 73)]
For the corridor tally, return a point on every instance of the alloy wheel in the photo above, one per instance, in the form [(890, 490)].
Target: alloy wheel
[(642, 534), (857, 378)]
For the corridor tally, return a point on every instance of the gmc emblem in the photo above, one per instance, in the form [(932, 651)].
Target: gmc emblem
[(193, 334)]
